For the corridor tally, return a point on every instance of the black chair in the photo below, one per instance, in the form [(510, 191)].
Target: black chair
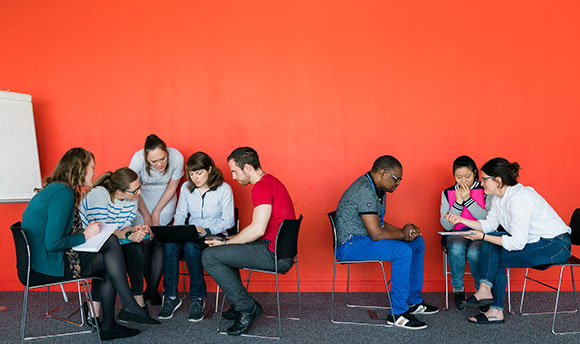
[(572, 262), (331, 217), (286, 247), (23, 265), (183, 267)]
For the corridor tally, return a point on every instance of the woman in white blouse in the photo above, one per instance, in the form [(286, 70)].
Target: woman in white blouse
[(160, 169), (536, 235), (207, 202)]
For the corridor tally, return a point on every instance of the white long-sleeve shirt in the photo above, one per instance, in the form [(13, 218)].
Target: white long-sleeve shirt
[(214, 210), (525, 215)]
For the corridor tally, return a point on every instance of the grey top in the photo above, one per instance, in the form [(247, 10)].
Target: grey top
[(360, 198)]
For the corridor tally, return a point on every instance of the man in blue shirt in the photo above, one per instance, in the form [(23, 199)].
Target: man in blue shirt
[(362, 234)]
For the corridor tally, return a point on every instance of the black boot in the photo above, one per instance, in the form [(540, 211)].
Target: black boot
[(459, 297)]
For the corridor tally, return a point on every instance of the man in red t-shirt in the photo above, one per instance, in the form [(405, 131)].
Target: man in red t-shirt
[(253, 247)]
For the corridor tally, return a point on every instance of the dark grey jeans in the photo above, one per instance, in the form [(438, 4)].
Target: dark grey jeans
[(223, 264)]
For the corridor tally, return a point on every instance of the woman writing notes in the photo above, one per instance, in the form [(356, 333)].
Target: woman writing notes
[(52, 226), (536, 235), (159, 168), (113, 200)]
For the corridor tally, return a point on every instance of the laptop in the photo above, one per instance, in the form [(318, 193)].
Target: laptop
[(180, 233)]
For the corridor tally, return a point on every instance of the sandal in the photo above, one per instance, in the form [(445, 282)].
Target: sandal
[(482, 319), (474, 302)]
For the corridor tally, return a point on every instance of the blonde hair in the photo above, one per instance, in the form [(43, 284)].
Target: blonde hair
[(71, 170), (118, 180)]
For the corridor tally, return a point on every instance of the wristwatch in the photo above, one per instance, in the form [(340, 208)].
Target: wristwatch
[(127, 234)]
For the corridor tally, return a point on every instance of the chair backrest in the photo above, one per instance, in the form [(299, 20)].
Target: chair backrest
[(22, 251), (332, 218), (287, 238), (575, 226), (236, 228)]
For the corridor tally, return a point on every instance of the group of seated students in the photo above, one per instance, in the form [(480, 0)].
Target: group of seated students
[(533, 234), (71, 207)]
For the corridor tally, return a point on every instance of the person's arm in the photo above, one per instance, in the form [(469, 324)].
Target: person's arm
[(137, 164), (253, 231), (520, 210), (182, 206), (165, 198), (489, 238), (409, 232), (226, 201), (455, 219), (443, 210), (59, 212)]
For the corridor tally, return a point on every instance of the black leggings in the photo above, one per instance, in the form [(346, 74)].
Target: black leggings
[(153, 262), (108, 264)]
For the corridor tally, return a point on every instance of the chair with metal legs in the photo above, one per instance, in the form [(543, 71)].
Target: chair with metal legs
[(572, 262), (331, 217), (23, 265), (286, 246)]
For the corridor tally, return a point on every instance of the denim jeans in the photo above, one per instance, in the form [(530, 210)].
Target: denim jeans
[(192, 251), (494, 259), (406, 270), (459, 248)]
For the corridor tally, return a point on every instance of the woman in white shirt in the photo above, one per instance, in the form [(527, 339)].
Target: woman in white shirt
[(207, 202), (536, 235), (160, 169)]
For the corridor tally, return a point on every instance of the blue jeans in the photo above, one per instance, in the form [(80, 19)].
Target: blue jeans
[(192, 252), (494, 259), (459, 248), (407, 260)]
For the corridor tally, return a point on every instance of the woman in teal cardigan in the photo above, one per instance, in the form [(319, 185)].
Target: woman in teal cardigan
[(52, 226)]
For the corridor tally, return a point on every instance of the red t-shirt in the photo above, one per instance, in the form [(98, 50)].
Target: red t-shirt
[(270, 190)]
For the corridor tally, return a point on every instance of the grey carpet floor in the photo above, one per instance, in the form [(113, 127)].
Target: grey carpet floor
[(315, 327)]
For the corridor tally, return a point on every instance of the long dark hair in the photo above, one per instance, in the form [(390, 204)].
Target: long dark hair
[(121, 179), (71, 169), (465, 161), (500, 167), (152, 142), (202, 161)]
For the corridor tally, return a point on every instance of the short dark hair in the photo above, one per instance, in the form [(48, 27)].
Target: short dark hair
[(201, 161), (500, 167), (245, 155), (386, 162), (465, 161)]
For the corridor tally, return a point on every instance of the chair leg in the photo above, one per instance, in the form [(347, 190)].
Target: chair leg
[(509, 290), (524, 292), (217, 298), (446, 280), (24, 309), (298, 290), (558, 299), (332, 294)]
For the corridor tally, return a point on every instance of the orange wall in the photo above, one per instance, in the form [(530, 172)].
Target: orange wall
[(319, 88)]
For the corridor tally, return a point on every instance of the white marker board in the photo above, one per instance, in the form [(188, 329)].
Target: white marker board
[(19, 165)]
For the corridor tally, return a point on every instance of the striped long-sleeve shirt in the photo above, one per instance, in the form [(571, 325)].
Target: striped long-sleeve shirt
[(97, 206)]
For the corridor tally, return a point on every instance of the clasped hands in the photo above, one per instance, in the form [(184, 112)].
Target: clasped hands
[(411, 232)]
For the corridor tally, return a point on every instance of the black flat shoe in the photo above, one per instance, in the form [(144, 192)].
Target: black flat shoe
[(125, 316), (245, 320), (474, 302), (230, 313), (120, 332), (88, 318)]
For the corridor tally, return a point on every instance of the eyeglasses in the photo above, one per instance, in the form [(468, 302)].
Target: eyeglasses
[(397, 179), (135, 191)]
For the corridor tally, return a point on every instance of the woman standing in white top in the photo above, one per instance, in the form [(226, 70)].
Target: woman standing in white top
[(160, 169), (536, 235)]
